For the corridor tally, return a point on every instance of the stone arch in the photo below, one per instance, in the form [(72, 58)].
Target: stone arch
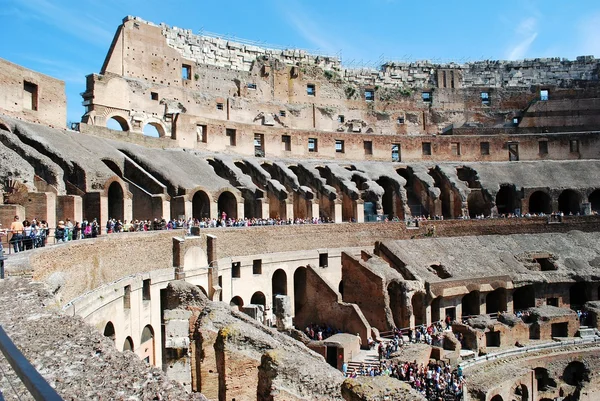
[(398, 305), (524, 297), (507, 200), (522, 391), (115, 121), (391, 202), (594, 199), (128, 344), (497, 397), (227, 202), (237, 301), (113, 166), (155, 128), (419, 308), (258, 298), (279, 283), (300, 290), (202, 289), (544, 381), (147, 345), (569, 202), (200, 204), (109, 331), (540, 202), (576, 373), (495, 301), (471, 304), (116, 201), (194, 257), (478, 204)]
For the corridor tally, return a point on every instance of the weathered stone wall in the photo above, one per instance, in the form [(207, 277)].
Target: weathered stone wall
[(45, 102)]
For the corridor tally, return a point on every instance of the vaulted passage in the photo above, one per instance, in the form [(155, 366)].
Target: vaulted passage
[(416, 193), (471, 304), (299, 289), (507, 200), (479, 203), (449, 197), (279, 283), (496, 301), (540, 202), (578, 295), (594, 200), (398, 300), (569, 202), (200, 205), (524, 297), (419, 308), (390, 201), (116, 208), (227, 204)]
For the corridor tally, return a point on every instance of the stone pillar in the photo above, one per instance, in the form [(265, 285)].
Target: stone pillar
[(69, 207), (214, 290), (289, 209), (128, 208), (41, 206), (315, 211), (240, 210), (103, 218), (214, 210), (510, 308), (265, 209), (161, 206), (359, 211), (181, 206), (338, 211), (282, 309)]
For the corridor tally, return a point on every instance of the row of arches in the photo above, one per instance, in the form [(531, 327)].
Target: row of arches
[(152, 129), (226, 202), (278, 287), (569, 201), (147, 346)]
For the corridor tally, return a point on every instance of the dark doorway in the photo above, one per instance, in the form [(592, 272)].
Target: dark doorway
[(300, 289), (594, 200), (578, 295), (200, 205), (279, 284), (492, 339), (524, 297), (115, 201), (228, 204), (471, 304), (496, 301), (507, 200), (109, 331), (540, 202), (560, 329), (569, 202), (332, 356)]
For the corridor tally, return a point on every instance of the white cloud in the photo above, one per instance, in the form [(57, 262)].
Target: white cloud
[(526, 33)]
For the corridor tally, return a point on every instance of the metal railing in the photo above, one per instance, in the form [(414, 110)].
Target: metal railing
[(29, 376)]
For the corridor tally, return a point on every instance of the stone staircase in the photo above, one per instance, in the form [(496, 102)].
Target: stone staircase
[(586, 332)]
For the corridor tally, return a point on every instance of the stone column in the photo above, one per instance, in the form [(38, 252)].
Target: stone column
[(338, 211), (315, 210), (264, 208), (359, 211)]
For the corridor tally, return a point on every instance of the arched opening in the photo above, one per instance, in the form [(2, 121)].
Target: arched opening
[(524, 297), (299, 290), (540, 202), (522, 391), (398, 299), (544, 381), (497, 397), (419, 308), (569, 202), (258, 298), (451, 201), (279, 283), (200, 205), (390, 201), (576, 373), (109, 331), (202, 289), (116, 204), (471, 304), (594, 200), (341, 288), (416, 193), (154, 130), (128, 344), (236, 301), (496, 301), (435, 309), (147, 345), (117, 123), (507, 200), (227, 204), (478, 203), (578, 295)]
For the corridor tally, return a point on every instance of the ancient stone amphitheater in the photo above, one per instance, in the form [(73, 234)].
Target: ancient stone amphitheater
[(362, 200)]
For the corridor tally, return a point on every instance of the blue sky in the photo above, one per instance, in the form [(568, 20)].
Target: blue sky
[(68, 39)]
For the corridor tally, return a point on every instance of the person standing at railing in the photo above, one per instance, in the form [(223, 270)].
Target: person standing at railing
[(16, 228)]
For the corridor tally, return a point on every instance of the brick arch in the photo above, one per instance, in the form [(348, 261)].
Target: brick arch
[(234, 191), (107, 184), (122, 120), (163, 132), (211, 196)]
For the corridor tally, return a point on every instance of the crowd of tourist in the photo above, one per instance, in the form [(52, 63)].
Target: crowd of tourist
[(319, 332)]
